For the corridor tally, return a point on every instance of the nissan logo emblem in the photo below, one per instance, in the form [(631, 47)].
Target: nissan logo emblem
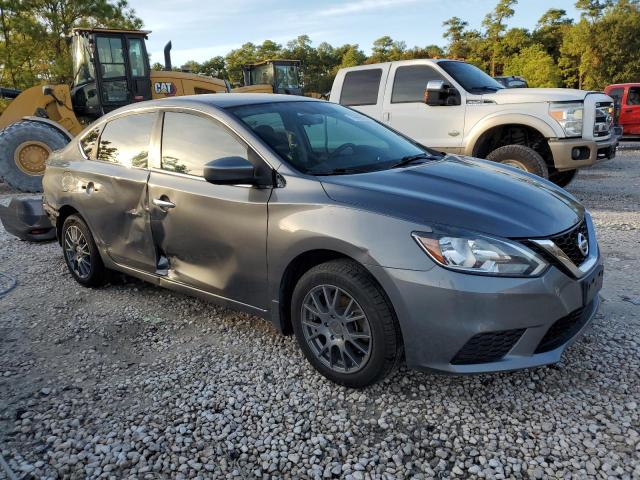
[(583, 244)]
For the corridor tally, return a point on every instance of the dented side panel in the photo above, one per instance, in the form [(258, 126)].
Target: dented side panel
[(113, 201), (215, 238)]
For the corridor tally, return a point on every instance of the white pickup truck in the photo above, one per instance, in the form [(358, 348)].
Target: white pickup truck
[(455, 107)]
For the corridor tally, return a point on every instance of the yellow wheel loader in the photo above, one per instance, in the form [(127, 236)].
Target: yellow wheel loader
[(111, 69), (271, 76)]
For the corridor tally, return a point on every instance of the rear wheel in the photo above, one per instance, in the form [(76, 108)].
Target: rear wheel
[(81, 254), (344, 324), (521, 157), (562, 179), (24, 149)]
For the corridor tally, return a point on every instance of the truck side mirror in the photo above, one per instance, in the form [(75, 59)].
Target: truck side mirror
[(435, 93)]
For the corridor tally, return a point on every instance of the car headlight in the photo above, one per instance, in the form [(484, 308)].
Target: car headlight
[(569, 116), (471, 252)]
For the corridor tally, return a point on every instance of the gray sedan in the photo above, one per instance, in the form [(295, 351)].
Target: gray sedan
[(371, 248)]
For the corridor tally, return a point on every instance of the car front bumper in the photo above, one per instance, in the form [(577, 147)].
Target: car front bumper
[(458, 324), (590, 151)]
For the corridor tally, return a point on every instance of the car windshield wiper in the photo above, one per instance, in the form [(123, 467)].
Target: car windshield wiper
[(341, 171), (412, 158)]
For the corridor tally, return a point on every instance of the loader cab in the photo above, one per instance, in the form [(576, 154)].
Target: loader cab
[(282, 75), (111, 69)]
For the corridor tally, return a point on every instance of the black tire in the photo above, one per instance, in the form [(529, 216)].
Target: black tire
[(92, 273), (521, 157), (562, 179), (385, 347), (13, 141)]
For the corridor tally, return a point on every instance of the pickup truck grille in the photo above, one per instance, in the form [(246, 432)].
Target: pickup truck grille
[(603, 119)]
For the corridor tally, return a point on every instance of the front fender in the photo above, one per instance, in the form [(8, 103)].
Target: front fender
[(509, 118)]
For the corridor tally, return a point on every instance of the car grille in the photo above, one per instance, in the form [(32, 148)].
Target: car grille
[(487, 347), (563, 330), (603, 119), (568, 243)]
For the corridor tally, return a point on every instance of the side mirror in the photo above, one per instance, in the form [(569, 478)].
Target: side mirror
[(230, 171), (435, 93)]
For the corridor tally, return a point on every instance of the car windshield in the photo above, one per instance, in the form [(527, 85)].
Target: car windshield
[(322, 138), (470, 77)]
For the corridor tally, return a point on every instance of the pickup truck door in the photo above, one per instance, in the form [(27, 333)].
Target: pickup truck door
[(630, 111), (363, 89), (404, 109)]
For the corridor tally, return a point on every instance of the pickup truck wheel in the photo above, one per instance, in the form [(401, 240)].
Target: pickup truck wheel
[(521, 157), (562, 179)]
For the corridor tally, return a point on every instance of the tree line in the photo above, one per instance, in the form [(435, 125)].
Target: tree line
[(600, 47)]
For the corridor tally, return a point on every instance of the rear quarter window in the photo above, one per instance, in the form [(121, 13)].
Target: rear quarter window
[(125, 140), (88, 143), (360, 87)]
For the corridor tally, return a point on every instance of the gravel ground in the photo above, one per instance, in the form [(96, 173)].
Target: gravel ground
[(132, 381)]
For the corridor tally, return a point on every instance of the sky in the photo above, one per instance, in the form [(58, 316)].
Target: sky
[(201, 29)]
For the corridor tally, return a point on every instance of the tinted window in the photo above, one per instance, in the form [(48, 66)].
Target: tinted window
[(126, 140), (410, 82), (360, 87), (136, 59), (616, 94), (88, 142), (189, 142), (633, 97), (470, 77), (110, 53)]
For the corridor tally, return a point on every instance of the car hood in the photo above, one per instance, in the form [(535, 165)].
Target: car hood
[(535, 95), (462, 192)]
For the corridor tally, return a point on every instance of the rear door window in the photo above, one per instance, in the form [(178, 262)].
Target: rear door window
[(189, 142), (360, 87), (126, 140), (410, 82)]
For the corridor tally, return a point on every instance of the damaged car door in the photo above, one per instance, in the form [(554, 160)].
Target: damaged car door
[(211, 237), (115, 188)]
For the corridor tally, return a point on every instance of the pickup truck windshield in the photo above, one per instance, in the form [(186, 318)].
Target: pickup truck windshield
[(322, 138), (472, 79)]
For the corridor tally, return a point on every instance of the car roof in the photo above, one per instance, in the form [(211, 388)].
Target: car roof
[(226, 100)]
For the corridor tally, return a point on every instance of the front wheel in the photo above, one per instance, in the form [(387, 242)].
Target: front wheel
[(345, 325), (521, 157)]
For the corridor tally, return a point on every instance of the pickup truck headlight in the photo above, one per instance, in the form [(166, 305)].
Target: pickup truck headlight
[(569, 116), (477, 253)]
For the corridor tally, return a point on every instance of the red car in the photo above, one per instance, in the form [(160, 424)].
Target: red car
[(627, 101)]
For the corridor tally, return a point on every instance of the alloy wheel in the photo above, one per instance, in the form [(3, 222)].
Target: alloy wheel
[(76, 250), (336, 329)]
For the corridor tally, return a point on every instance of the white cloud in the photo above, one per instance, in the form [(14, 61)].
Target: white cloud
[(362, 6)]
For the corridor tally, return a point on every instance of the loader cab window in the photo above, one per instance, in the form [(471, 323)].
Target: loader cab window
[(83, 69), (113, 70), (136, 58)]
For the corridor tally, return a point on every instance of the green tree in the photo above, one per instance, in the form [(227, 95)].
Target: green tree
[(495, 24), (550, 31), (536, 65), (455, 34)]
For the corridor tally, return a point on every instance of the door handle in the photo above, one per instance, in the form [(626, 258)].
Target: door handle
[(628, 110), (163, 204)]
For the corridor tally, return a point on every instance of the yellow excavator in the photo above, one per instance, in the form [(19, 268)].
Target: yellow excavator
[(111, 69)]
